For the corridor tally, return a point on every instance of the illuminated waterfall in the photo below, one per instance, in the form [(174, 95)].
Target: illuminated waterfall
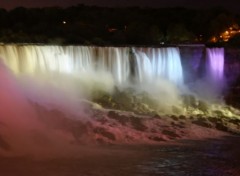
[(151, 63), (215, 64)]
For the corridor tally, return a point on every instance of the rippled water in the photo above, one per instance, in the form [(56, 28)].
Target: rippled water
[(218, 157)]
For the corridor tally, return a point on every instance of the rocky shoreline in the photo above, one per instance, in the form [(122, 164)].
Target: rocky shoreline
[(106, 125), (126, 117)]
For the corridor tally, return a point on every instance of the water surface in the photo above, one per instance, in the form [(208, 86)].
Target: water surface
[(211, 157)]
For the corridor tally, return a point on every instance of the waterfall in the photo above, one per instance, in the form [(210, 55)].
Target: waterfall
[(151, 63), (215, 64)]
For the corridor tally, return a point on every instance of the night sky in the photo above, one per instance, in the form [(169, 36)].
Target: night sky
[(232, 5)]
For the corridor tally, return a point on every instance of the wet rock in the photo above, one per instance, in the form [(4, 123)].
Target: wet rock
[(156, 138), (214, 120), (156, 116), (178, 125), (203, 106), (104, 133), (169, 133), (137, 123), (182, 117), (123, 100), (174, 117), (144, 107), (221, 127), (129, 100), (234, 121), (113, 115), (154, 131), (226, 124), (103, 99), (103, 120), (219, 113), (120, 118), (203, 122), (200, 116), (191, 118)]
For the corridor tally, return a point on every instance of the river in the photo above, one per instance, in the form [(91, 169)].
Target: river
[(210, 157)]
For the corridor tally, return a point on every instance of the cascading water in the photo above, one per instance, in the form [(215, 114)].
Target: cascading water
[(151, 63), (117, 116), (215, 64), (53, 77), (159, 62), (215, 71), (109, 65)]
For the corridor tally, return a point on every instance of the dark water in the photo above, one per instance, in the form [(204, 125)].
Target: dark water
[(220, 157)]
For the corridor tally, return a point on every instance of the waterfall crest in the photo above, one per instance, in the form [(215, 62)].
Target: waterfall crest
[(150, 63)]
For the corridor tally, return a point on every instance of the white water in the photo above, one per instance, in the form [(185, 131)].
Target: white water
[(151, 63), (215, 71), (78, 71), (215, 64)]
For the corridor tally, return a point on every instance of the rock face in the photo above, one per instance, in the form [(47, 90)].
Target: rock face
[(129, 109), (121, 127), (127, 100), (110, 126), (232, 64), (232, 74), (232, 96)]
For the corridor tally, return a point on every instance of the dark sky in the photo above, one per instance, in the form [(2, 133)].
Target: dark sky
[(232, 5)]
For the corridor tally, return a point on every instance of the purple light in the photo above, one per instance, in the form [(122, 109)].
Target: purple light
[(216, 64)]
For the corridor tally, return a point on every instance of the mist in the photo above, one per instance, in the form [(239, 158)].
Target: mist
[(47, 94)]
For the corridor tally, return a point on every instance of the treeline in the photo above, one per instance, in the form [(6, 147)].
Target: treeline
[(113, 26)]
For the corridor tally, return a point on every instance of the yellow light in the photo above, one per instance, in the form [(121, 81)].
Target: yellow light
[(220, 36), (214, 39), (64, 22), (226, 32)]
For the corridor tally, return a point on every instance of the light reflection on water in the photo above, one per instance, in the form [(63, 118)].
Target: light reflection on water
[(219, 157)]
